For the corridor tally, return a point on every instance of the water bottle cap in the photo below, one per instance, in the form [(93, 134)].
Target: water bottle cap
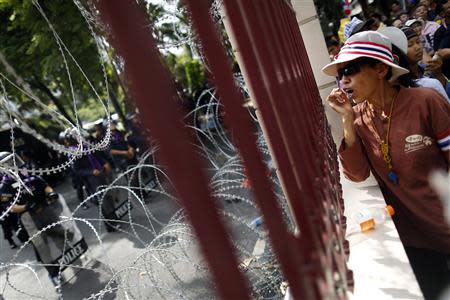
[(390, 210)]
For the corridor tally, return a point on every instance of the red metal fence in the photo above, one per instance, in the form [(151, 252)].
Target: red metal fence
[(279, 74)]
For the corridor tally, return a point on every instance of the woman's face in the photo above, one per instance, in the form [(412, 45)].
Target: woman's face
[(360, 85), (415, 50), (395, 7), (421, 12), (404, 18), (397, 23), (333, 50)]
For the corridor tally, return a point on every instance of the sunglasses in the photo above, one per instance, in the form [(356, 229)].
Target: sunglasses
[(352, 68)]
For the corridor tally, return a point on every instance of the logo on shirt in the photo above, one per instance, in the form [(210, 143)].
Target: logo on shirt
[(416, 142)]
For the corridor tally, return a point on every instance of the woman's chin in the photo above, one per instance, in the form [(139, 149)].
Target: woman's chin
[(357, 100)]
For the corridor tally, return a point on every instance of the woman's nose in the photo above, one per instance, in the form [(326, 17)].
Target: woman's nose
[(344, 79)]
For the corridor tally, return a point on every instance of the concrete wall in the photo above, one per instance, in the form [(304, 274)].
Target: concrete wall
[(316, 48)]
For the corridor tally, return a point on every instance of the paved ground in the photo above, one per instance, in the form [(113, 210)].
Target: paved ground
[(114, 253), (169, 267), (174, 270)]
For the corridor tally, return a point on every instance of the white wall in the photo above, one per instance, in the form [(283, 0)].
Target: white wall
[(318, 56)]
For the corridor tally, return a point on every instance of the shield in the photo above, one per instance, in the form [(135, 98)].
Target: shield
[(56, 238)]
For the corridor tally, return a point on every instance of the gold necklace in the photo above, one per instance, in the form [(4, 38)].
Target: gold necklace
[(384, 146)]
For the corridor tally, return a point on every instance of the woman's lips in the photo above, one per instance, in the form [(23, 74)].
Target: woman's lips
[(349, 92)]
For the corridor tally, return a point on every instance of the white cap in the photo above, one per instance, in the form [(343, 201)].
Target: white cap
[(412, 21), (396, 36)]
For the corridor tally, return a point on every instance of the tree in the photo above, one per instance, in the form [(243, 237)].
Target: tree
[(172, 30), (29, 45), (189, 74)]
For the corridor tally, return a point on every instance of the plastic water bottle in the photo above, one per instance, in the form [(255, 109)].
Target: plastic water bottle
[(368, 218)]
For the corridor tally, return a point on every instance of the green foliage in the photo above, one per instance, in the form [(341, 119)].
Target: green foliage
[(173, 28), (30, 47), (169, 27), (188, 72), (90, 111)]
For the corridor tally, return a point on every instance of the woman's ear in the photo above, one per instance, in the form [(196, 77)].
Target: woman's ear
[(382, 70)]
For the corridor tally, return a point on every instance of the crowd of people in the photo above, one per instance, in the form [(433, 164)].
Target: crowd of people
[(426, 27), (393, 99), (99, 168)]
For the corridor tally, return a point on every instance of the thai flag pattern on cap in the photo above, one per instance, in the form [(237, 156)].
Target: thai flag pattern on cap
[(443, 140), (348, 28), (367, 49)]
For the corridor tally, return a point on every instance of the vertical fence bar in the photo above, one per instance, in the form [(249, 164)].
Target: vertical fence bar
[(287, 98), (288, 253), (268, 120), (256, 55), (262, 44), (293, 268), (263, 96), (299, 108), (332, 210), (330, 171), (156, 98)]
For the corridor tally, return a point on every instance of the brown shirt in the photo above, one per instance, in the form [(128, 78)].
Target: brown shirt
[(419, 143)]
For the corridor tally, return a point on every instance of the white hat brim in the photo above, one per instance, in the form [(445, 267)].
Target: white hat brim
[(332, 70)]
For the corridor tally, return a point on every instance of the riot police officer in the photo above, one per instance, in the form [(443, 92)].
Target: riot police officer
[(10, 221), (95, 170)]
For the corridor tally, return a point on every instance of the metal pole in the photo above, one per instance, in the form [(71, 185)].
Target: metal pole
[(285, 245), (156, 99)]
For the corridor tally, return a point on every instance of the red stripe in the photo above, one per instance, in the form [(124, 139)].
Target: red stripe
[(366, 48), (443, 134), (366, 54), (370, 43)]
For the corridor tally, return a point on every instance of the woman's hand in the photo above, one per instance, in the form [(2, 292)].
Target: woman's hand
[(340, 102), (434, 65), (444, 53)]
